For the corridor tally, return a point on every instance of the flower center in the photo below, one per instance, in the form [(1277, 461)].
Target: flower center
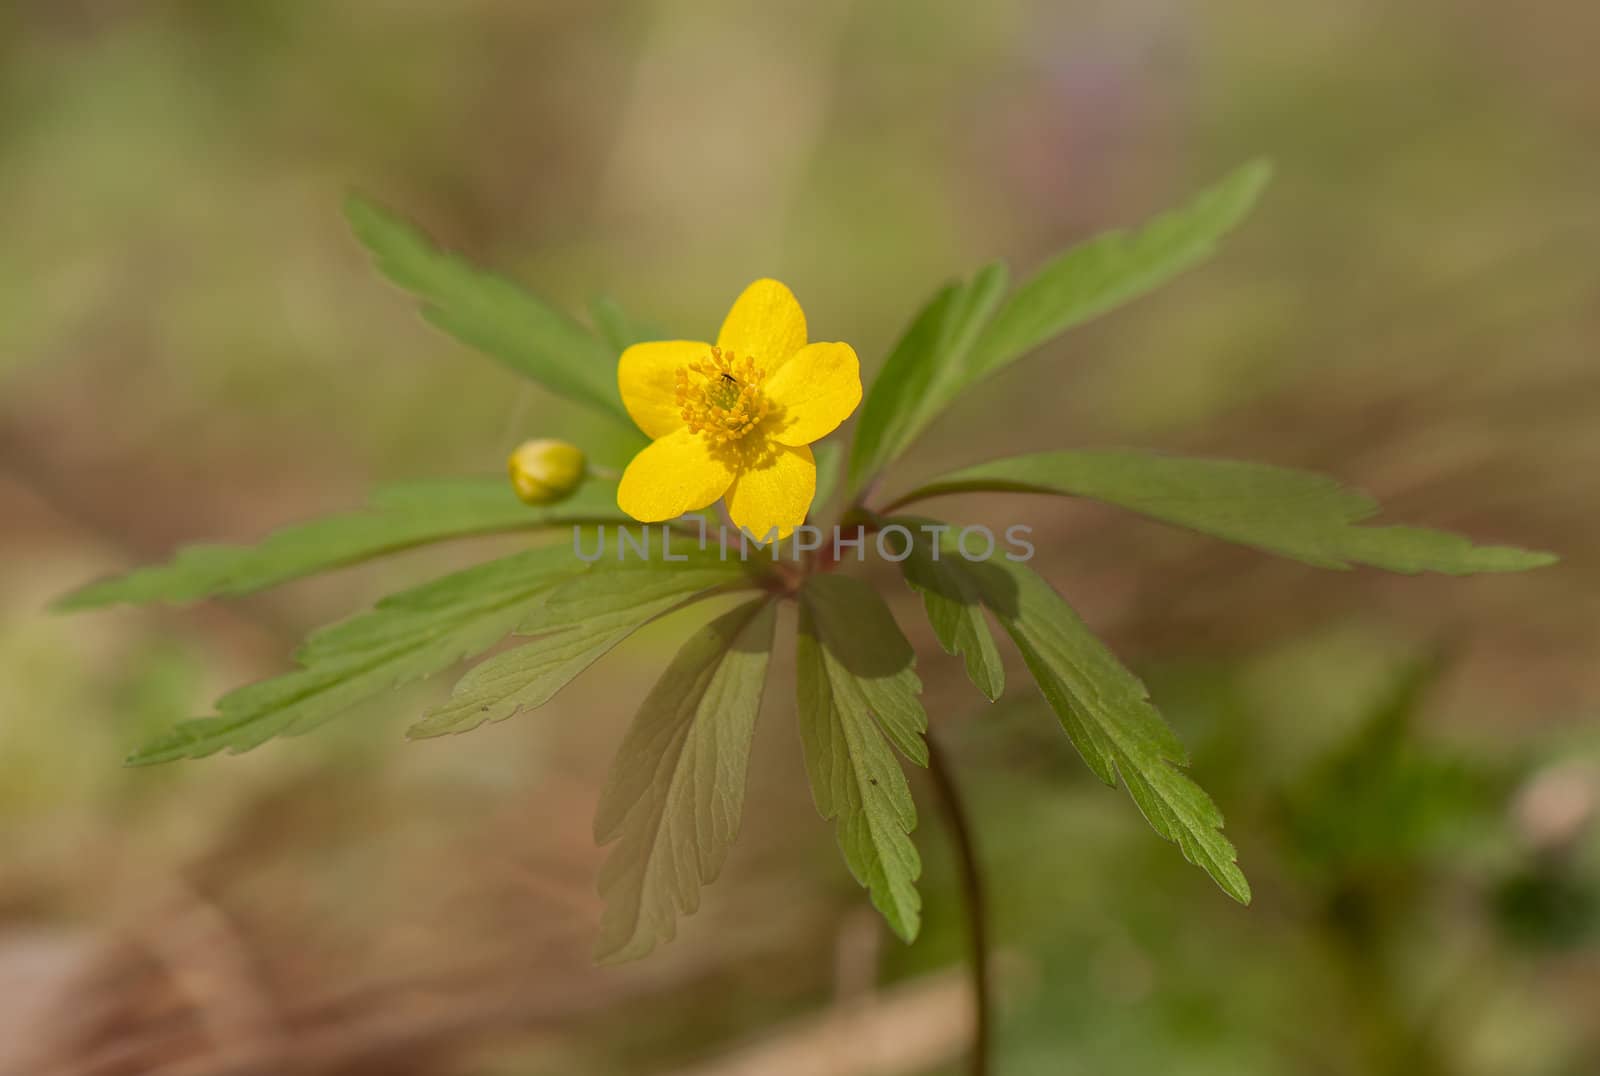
[(721, 396)]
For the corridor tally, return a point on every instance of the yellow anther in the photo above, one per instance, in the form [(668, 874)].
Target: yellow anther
[(720, 397)]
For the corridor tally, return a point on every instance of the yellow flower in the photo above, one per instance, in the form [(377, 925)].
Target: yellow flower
[(735, 418), (546, 471)]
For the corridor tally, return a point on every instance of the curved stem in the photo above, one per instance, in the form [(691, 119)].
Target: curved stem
[(971, 877)]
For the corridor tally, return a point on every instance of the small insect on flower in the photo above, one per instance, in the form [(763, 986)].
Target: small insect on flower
[(544, 471), (736, 419)]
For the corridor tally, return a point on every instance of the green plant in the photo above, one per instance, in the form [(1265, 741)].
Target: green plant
[(674, 798)]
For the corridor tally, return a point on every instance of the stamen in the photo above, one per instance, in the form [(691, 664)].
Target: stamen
[(721, 396)]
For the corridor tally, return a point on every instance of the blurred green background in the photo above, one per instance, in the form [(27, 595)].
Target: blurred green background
[(191, 346)]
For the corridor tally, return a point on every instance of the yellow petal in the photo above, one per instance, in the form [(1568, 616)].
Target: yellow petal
[(817, 390), (645, 376), (765, 324), (775, 492), (676, 474)]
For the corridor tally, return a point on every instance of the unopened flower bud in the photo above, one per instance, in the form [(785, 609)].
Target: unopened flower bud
[(545, 471)]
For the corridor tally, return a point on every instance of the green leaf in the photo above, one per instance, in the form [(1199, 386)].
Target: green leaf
[(1296, 514), (398, 517), (1106, 712), (924, 372), (676, 790), (954, 606), (827, 457), (857, 694), (579, 621), (1109, 270), (616, 328), (492, 314), (407, 636), (966, 333)]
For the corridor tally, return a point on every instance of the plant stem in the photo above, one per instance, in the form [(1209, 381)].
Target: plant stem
[(971, 877)]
